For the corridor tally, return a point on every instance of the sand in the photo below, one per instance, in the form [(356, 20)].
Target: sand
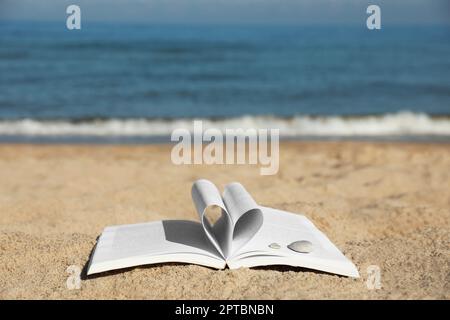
[(383, 204)]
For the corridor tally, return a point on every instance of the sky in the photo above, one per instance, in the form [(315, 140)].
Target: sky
[(404, 12)]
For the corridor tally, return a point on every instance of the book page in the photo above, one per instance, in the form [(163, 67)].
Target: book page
[(237, 201), (246, 217), (155, 242), (206, 197), (282, 228)]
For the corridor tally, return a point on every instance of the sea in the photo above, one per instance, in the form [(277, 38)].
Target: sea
[(125, 82)]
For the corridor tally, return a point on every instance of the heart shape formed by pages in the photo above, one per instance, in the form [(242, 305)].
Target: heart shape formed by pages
[(239, 216)]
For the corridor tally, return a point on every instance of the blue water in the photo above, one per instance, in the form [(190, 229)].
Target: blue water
[(131, 71)]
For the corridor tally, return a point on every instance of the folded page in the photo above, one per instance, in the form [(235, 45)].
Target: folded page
[(206, 197), (246, 217)]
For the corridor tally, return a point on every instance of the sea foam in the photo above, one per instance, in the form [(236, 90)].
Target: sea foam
[(398, 124)]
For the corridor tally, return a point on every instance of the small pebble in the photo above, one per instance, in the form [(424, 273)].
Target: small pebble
[(302, 246), (274, 246)]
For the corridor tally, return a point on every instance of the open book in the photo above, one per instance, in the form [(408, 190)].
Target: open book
[(233, 231)]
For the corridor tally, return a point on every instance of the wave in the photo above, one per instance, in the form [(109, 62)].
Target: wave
[(398, 124)]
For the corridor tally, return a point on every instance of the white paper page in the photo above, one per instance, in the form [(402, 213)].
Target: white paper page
[(244, 212), (238, 201), (153, 242), (206, 196), (284, 228)]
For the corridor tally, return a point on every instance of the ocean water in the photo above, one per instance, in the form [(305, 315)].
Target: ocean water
[(145, 80)]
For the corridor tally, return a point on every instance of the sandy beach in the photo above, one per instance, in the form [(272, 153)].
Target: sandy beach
[(383, 204)]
